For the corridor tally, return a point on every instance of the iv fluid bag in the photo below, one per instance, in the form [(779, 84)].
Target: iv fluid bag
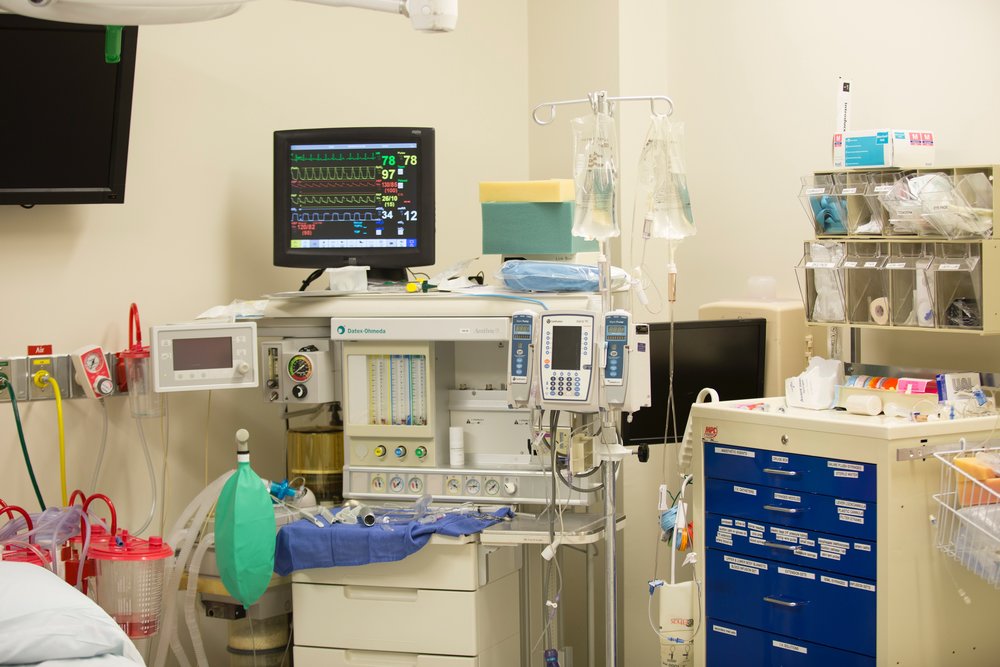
[(595, 175), (663, 206)]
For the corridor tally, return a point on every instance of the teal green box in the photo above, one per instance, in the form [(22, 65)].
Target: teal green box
[(531, 228)]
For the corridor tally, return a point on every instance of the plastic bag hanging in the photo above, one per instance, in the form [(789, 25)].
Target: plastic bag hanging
[(663, 205), (245, 531), (596, 176)]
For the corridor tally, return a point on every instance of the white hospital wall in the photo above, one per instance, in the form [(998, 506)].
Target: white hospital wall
[(754, 83), (195, 230)]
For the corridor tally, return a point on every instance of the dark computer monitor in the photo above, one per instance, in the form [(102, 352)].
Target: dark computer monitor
[(65, 115), (726, 355), (360, 196)]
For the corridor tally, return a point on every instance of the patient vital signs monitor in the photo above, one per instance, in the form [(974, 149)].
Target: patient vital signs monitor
[(354, 196)]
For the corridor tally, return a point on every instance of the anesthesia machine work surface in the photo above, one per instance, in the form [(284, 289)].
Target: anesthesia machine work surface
[(820, 532)]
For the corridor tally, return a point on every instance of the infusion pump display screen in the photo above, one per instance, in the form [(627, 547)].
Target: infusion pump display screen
[(566, 346), (354, 195)]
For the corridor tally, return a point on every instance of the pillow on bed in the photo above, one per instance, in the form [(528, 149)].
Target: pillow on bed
[(44, 618)]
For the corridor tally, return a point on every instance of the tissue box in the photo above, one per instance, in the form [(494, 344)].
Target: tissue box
[(883, 148)]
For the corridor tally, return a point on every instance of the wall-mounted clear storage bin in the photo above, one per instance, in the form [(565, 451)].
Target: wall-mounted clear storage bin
[(879, 183), (866, 283), (824, 206), (821, 281), (911, 299), (905, 209), (957, 276)]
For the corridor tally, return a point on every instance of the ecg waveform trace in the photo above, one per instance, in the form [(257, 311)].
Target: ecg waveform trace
[(368, 197)]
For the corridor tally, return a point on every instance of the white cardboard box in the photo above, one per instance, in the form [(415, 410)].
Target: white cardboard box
[(883, 148)]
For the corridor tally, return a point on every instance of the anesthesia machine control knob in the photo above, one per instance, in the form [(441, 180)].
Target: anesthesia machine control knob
[(400, 452), (104, 386), (243, 368), (510, 487), (380, 451), (299, 391), (421, 452)]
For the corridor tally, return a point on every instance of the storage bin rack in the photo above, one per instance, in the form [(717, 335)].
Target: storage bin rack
[(862, 270), (968, 517)]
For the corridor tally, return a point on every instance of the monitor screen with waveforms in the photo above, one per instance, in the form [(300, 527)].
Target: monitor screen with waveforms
[(354, 196)]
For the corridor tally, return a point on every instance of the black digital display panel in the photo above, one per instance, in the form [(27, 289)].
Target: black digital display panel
[(196, 354), (566, 346)]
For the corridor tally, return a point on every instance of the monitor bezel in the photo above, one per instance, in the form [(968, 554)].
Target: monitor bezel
[(114, 191), (377, 258)]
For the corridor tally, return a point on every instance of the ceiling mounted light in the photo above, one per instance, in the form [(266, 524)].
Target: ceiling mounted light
[(425, 15)]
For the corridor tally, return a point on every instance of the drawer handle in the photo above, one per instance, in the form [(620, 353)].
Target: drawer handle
[(784, 510), (380, 594), (778, 471), (783, 603), (786, 547)]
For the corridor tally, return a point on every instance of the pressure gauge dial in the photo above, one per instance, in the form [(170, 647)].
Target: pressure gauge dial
[(472, 486), (453, 486), (300, 368), (492, 487), (92, 362), (396, 484)]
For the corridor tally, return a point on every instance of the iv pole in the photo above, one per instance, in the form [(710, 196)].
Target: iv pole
[(611, 452)]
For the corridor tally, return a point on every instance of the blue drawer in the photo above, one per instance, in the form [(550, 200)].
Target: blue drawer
[(844, 479), (816, 606), (798, 509), (728, 644), (807, 548)]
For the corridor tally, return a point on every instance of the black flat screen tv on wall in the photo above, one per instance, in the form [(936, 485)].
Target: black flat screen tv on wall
[(64, 121)]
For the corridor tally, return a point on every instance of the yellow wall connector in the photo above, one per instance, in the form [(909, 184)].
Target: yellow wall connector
[(41, 379)]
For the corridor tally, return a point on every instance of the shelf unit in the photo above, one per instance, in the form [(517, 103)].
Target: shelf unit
[(860, 270)]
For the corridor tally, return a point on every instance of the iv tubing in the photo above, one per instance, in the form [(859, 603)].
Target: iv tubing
[(41, 378), (100, 453), (152, 478), (24, 447)]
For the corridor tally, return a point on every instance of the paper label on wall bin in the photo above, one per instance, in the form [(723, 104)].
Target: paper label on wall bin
[(896, 265), (949, 267), (821, 265), (815, 191)]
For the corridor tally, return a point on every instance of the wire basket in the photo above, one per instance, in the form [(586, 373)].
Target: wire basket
[(968, 521)]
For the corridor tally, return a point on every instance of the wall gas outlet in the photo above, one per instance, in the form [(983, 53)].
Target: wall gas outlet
[(16, 370), (58, 367)]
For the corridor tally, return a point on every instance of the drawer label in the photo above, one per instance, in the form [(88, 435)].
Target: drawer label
[(744, 561), (758, 541), (863, 586), (789, 647), (827, 542), (745, 490), (796, 534), (852, 519), (850, 474), (796, 573), (725, 631), (830, 555), (807, 554), (735, 452), (786, 496), (755, 526), (852, 512), (833, 549), (807, 543), (779, 459), (850, 503), (725, 530), (727, 522), (833, 580), (862, 547), (840, 465), (743, 568)]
